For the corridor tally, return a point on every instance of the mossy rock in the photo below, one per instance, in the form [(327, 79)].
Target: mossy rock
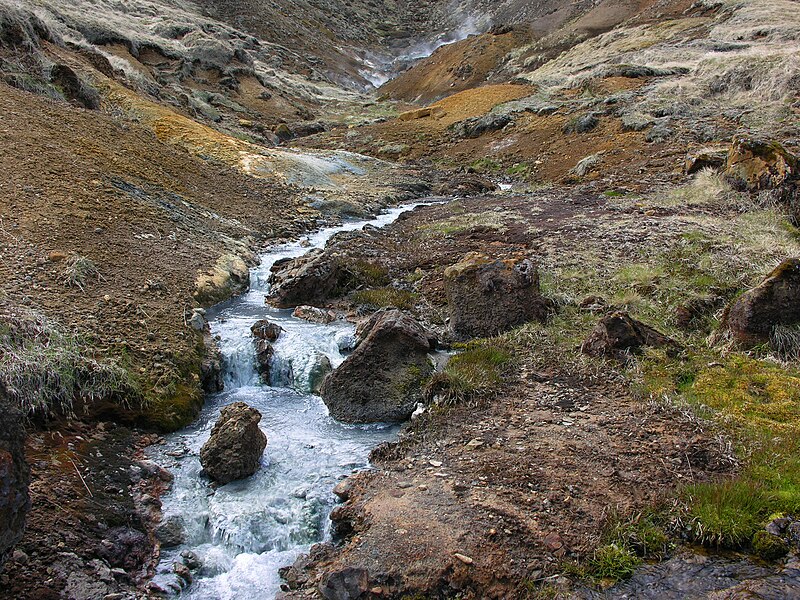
[(768, 546)]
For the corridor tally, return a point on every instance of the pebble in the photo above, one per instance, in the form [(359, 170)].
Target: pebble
[(436, 463), (464, 558)]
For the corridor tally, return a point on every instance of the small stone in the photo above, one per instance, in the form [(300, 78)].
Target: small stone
[(464, 558), (436, 463), (475, 443), (552, 541)]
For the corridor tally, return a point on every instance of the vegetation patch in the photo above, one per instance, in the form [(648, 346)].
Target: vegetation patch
[(78, 270), (760, 403), (384, 297), (477, 371), (49, 371), (462, 223)]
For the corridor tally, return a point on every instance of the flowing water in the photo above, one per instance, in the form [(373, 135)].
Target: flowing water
[(243, 532)]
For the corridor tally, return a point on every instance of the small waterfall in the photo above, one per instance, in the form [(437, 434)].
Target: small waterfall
[(243, 532)]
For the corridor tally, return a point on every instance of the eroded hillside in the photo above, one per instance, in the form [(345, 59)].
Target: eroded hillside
[(637, 159)]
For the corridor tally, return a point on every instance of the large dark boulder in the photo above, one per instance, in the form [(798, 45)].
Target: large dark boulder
[(236, 444), (320, 275), (774, 302), (14, 478), (486, 296), (309, 279), (381, 381), (478, 126), (617, 335)]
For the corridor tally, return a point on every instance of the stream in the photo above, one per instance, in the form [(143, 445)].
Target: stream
[(243, 532)]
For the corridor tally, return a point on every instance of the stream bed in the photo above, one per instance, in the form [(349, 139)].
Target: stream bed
[(243, 532)]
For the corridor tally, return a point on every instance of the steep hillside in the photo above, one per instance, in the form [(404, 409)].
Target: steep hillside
[(598, 164)]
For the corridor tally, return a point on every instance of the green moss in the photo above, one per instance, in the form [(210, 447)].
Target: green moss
[(522, 170), (758, 403), (642, 534), (768, 546), (176, 409), (485, 165)]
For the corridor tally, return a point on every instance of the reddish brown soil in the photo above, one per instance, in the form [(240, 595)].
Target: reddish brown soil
[(82, 494), (453, 68), (148, 214), (525, 480)]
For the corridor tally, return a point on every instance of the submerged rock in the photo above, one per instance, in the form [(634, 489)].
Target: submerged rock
[(170, 532), (775, 302), (264, 354), (14, 478), (381, 380), (319, 371), (265, 330), (313, 314), (618, 334), (236, 444), (487, 296)]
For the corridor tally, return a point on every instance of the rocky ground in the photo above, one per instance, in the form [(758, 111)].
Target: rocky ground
[(493, 498), (145, 164)]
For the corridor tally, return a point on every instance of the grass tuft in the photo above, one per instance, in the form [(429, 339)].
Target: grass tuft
[(78, 270), (475, 372), (46, 369), (612, 561), (384, 297)]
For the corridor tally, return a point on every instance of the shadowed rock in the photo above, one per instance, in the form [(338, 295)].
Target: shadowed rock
[(309, 279), (487, 296), (381, 380), (759, 165), (774, 302), (236, 444), (465, 186), (14, 478), (348, 584), (264, 330), (768, 169), (617, 335)]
